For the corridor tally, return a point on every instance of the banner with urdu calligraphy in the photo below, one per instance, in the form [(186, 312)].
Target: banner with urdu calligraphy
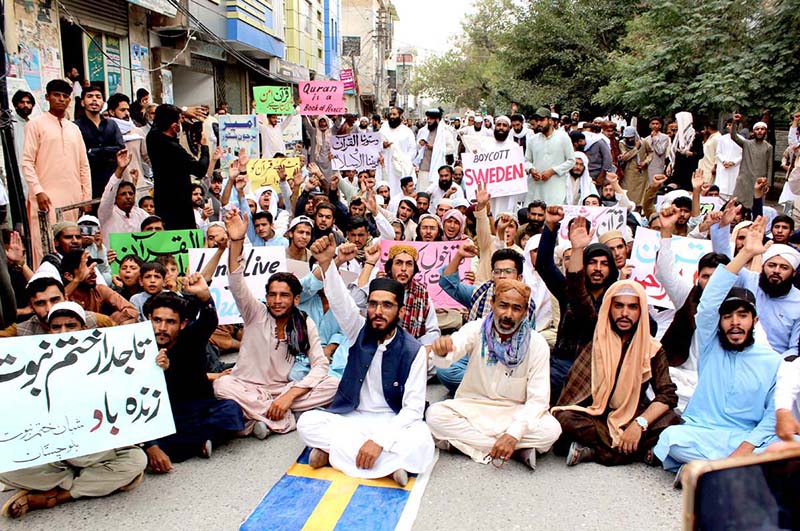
[(273, 100), (431, 258), (74, 394), (150, 245), (359, 151)]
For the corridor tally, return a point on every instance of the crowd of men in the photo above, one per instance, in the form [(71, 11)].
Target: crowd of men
[(556, 347)]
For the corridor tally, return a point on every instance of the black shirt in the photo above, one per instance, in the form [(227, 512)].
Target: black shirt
[(102, 144)]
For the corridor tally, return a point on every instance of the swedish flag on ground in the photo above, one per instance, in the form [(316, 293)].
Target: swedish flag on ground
[(324, 499)]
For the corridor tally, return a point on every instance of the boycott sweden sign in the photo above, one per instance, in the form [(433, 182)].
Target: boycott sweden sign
[(501, 170)]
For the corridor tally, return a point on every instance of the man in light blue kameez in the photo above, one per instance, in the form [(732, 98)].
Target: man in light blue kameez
[(732, 411)]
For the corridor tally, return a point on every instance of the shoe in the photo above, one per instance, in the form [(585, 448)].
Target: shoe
[(133, 484), (579, 453), (442, 444), (260, 430), (527, 456), (400, 477), (207, 450), (677, 483), (317, 458)]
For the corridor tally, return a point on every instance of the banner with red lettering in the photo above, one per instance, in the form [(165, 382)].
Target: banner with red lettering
[(501, 170), (322, 97)]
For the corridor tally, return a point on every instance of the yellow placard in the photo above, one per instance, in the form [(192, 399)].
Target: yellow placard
[(264, 172)]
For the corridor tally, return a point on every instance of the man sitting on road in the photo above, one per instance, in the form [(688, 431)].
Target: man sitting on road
[(501, 407)]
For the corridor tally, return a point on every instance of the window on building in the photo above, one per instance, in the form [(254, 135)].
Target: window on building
[(319, 53), (319, 35)]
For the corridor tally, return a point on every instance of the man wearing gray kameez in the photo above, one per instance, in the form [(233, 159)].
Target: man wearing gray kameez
[(756, 159)]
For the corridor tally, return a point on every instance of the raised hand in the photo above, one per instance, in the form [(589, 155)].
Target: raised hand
[(579, 235), (217, 154), (467, 249), (346, 252), (195, 284), (482, 196), (754, 241), (612, 178), (668, 217), (323, 250), (658, 180), (760, 188), (553, 216), (442, 346), (162, 360), (235, 225), (729, 212), (16, 249), (697, 179), (373, 253), (123, 158)]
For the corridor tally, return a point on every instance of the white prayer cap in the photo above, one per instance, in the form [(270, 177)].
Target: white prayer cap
[(784, 251), (555, 116), (470, 114), (68, 307), (670, 197), (44, 273), (626, 290), (760, 124), (86, 218), (460, 202), (502, 118), (215, 224)]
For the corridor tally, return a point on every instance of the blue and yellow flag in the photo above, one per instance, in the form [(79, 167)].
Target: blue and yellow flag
[(325, 499)]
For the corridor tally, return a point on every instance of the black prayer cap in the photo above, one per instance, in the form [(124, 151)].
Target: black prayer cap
[(737, 297), (390, 285)]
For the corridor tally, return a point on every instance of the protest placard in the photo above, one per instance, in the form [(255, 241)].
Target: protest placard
[(502, 171), (359, 151), (259, 264), (603, 219), (432, 256), (236, 132), (687, 253), (322, 97), (150, 245), (73, 394), (348, 80), (273, 100), (707, 203), (293, 132), (264, 172)]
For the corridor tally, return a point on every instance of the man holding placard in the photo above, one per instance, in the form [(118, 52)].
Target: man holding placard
[(93, 475)]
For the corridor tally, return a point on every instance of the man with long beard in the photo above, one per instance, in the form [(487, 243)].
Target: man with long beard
[(372, 429), (732, 411), (444, 188), (501, 139), (777, 300), (433, 148), (399, 149), (550, 156), (274, 335), (756, 159)]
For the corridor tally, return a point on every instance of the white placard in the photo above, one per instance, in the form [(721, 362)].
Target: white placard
[(687, 251), (603, 219), (260, 264), (359, 151), (74, 394), (502, 170)]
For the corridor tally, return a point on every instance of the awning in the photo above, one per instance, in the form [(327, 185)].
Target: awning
[(162, 7)]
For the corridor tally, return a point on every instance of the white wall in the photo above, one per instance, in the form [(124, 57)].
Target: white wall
[(192, 88)]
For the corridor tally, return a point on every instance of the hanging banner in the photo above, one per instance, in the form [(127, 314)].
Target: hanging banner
[(273, 100), (150, 245), (264, 172), (238, 131), (502, 171), (78, 393), (687, 251), (322, 97), (348, 80), (359, 151), (431, 257), (259, 264)]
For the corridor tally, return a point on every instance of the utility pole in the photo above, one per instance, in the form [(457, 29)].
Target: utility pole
[(16, 200), (380, 34)]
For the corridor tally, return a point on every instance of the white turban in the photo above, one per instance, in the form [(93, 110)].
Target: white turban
[(784, 251), (760, 124), (502, 118)]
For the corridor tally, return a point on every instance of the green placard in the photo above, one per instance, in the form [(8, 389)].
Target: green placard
[(273, 100), (150, 245)]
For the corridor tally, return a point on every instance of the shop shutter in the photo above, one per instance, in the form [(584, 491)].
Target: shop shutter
[(109, 16)]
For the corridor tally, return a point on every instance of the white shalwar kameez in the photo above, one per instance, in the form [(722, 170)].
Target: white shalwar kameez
[(398, 159), (404, 436)]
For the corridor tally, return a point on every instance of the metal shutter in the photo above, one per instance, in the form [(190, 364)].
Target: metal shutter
[(109, 16)]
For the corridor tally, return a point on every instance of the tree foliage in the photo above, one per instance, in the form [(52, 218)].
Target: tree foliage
[(645, 56)]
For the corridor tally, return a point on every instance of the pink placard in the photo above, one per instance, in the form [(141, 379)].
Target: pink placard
[(347, 79), (432, 257), (322, 97)]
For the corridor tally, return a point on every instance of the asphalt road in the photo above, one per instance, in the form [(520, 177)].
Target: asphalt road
[(217, 494)]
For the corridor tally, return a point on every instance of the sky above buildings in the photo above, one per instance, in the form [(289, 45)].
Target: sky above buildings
[(429, 25)]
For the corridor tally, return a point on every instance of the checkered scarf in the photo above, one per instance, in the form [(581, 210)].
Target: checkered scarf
[(417, 309)]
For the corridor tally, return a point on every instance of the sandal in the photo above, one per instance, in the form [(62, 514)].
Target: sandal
[(16, 501)]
